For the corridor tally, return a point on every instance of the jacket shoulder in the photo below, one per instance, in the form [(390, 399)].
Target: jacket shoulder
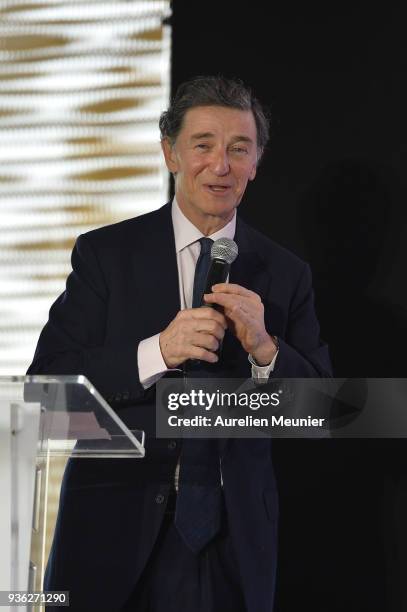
[(130, 230)]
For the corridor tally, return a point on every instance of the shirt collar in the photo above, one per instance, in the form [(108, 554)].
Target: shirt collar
[(186, 233)]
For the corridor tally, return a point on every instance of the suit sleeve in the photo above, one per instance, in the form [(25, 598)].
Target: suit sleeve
[(302, 354), (73, 340)]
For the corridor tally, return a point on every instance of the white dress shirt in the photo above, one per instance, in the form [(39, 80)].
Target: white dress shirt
[(150, 360)]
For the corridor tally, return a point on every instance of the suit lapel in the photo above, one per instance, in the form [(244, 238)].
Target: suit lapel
[(159, 272), (248, 268)]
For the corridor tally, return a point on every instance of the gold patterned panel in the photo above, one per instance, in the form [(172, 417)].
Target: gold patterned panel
[(82, 85)]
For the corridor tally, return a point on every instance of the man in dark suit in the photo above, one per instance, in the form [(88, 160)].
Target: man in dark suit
[(127, 318)]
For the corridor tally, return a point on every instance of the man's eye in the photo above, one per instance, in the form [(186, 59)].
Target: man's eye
[(239, 150), (202, 146)]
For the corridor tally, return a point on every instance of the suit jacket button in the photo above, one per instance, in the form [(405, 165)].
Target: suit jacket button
[(159, 498), (172, 445), (118, 397)]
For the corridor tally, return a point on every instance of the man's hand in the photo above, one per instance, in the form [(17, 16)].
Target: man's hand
[(195, 333), (244, 312)]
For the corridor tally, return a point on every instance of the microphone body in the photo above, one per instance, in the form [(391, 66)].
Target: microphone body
[(218, 273), (223, 253)]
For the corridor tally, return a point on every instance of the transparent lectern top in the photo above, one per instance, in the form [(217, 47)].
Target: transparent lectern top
[(75, 420)]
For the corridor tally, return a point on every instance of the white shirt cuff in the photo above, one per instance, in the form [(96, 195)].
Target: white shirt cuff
[(151, 365), (261, 373)]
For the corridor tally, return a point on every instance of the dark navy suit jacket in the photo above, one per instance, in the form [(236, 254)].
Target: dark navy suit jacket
[(124, 288)]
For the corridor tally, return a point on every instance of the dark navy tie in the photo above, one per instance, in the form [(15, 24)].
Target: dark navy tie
[(201, 271), (198, 509)]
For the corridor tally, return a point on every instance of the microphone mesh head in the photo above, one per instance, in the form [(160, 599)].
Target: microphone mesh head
[(224, 248)]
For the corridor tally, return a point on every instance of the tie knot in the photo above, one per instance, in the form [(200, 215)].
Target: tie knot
[(206, 245)]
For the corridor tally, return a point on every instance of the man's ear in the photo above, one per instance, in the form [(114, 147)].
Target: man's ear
[(253, 172), (170, 155)]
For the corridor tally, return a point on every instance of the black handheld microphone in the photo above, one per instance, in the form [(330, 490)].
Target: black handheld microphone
[(223, 253)]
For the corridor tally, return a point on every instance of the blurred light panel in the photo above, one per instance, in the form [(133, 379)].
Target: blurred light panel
[(82, 85)]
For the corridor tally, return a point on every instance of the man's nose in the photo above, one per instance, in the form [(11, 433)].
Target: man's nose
[(220, 162)]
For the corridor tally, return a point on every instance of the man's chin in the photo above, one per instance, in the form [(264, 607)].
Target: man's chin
[(226, 214), (219, 207)]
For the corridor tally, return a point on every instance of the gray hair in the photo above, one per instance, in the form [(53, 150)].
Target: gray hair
[(214, 91)]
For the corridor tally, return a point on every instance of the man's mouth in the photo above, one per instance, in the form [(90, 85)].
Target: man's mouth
[(218, 188)]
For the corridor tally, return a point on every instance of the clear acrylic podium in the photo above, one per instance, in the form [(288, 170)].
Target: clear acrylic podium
[(43, 417)]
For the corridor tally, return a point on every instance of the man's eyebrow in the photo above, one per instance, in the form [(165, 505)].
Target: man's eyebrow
[(200, 135), (239, 138), (242, 139)]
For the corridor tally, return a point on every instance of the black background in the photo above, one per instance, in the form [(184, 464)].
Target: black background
[(332, 189)]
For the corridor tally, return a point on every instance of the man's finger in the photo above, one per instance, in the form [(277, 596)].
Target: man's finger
[(197, 352), (230, 302), (205, 341), (209, 314), (232, 288), (210, 327)]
